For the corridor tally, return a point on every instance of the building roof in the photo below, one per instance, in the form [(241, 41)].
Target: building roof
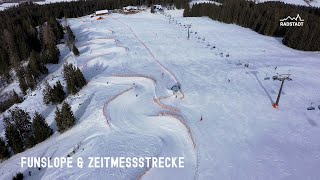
[(102, 12), (131, 7)]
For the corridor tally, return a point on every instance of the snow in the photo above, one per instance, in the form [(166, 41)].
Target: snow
[(4, 6), (200, 1), (127, 109), (315, 3)]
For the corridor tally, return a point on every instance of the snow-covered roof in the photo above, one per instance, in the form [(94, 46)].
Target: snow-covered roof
[(131, 8), (102, 12)]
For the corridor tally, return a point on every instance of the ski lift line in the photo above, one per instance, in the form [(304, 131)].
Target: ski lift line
[(252, 65), (153, 56), (309, 92), (288, 84), (267, 78), (304, 96)]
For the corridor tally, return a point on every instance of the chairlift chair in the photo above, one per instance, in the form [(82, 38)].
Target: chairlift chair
[(319, 107), (274, 78), (267, 77), (311, 108), (246, 65)]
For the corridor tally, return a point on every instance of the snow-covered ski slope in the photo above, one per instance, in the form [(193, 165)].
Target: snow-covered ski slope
[(225, 130), (7, 5), (315, 3)]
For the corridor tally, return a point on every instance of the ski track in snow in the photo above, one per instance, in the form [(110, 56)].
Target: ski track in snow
[(155, 99)]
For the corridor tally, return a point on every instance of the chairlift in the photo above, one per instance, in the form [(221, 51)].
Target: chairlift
[(311, 108), (246, 65), (267, 77), (319, 107), (274, 78)]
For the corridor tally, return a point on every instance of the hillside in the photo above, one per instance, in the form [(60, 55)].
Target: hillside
[(222, 121)]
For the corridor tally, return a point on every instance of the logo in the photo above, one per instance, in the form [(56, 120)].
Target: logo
[(292, 21)]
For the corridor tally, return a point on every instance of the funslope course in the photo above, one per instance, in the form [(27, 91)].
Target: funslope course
[(223, 122)]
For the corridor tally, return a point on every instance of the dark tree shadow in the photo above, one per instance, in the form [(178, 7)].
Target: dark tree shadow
[(92, 71), (83, 106)]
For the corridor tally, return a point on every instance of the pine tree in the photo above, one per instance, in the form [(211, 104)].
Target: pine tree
[(18, 176), (16, 98), (59, 120), (47, 93), (64, 118), (22, 123), (36, 66), (57, 93), (4, 151), (13, 137), (75, 50), (40, 129), (12, 47), (69, 119), (81, 81), (74, 77), (71, 37), (53, 54), (22, 81), (30, 80)]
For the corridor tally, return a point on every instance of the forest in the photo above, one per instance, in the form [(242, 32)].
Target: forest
[(264, 19)]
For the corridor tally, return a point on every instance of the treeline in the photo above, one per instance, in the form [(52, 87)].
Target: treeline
[(35, 46), (21, 133), (264, 19), (31, 72)]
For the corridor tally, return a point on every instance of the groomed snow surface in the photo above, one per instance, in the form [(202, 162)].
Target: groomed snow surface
[(315, 3), (225, 130)]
